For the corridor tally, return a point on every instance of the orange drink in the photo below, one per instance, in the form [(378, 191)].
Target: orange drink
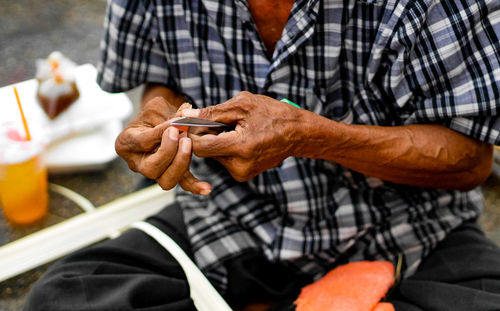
[(23, 183)]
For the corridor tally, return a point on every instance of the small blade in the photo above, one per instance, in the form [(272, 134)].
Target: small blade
[(185, 121)]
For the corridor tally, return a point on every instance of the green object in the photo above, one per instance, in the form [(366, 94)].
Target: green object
[(289, 102)]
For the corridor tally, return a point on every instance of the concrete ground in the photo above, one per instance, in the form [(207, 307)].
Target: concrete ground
[(31, 30)]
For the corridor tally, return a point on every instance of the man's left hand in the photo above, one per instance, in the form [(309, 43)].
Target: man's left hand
[(265, 134)]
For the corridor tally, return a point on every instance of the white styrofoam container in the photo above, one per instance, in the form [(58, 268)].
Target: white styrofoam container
[(80, 138)]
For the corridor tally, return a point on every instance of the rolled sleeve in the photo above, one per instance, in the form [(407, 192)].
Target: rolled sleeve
[(447, 69), (131, 53)]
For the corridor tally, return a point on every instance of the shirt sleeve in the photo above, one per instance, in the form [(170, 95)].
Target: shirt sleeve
[(131, 53), (447, 66)]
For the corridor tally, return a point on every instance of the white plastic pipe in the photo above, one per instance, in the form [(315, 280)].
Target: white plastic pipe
[(80, 231), (204, 295)]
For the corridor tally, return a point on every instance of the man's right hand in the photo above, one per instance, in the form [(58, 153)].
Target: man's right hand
[(158, 151)]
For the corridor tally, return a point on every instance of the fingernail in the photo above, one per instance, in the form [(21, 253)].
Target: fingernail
[(205, 191), (173, 134), (186, 148), (192, 113)]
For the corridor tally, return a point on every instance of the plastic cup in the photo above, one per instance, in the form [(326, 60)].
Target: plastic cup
[(23, 179)]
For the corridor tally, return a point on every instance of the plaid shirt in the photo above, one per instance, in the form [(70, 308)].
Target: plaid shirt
[(386, 62)]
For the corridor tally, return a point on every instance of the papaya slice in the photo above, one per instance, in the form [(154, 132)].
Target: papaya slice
[(356, 286), (384, 306)]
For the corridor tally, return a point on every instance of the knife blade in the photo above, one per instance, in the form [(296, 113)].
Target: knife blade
[(183, 124), (186, 121)]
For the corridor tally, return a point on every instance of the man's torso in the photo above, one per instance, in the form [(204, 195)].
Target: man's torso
[(336, 58)]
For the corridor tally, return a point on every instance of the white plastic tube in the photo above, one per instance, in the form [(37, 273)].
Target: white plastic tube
[(80, 231), (204, 295)]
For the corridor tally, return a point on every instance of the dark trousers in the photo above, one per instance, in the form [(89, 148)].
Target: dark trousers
[(133, 272)]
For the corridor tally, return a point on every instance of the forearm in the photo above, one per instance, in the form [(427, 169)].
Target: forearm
[(268, 131), (419, 155)]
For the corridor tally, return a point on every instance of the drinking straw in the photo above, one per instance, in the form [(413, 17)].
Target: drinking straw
[(28, 136)]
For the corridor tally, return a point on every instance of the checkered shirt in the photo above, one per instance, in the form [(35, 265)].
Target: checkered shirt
[(385, 62)]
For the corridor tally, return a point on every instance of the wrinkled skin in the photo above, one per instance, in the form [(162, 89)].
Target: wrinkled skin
[(158, 151), (264, 134), (268, 131)]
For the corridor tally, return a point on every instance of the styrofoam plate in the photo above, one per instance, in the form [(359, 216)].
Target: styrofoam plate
[(82, 137)]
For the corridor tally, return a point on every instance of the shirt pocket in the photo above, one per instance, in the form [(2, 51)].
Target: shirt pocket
[(324, 103)]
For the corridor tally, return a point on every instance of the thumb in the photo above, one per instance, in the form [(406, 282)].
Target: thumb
[(181, 108)]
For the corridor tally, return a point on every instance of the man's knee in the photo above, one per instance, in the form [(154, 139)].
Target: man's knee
[(127, 273), (57, 290)]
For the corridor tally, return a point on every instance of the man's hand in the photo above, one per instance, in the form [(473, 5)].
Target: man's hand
[(157, 150), (264, 134)]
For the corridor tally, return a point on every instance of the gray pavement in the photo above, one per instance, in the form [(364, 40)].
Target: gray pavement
[(32, 29)]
